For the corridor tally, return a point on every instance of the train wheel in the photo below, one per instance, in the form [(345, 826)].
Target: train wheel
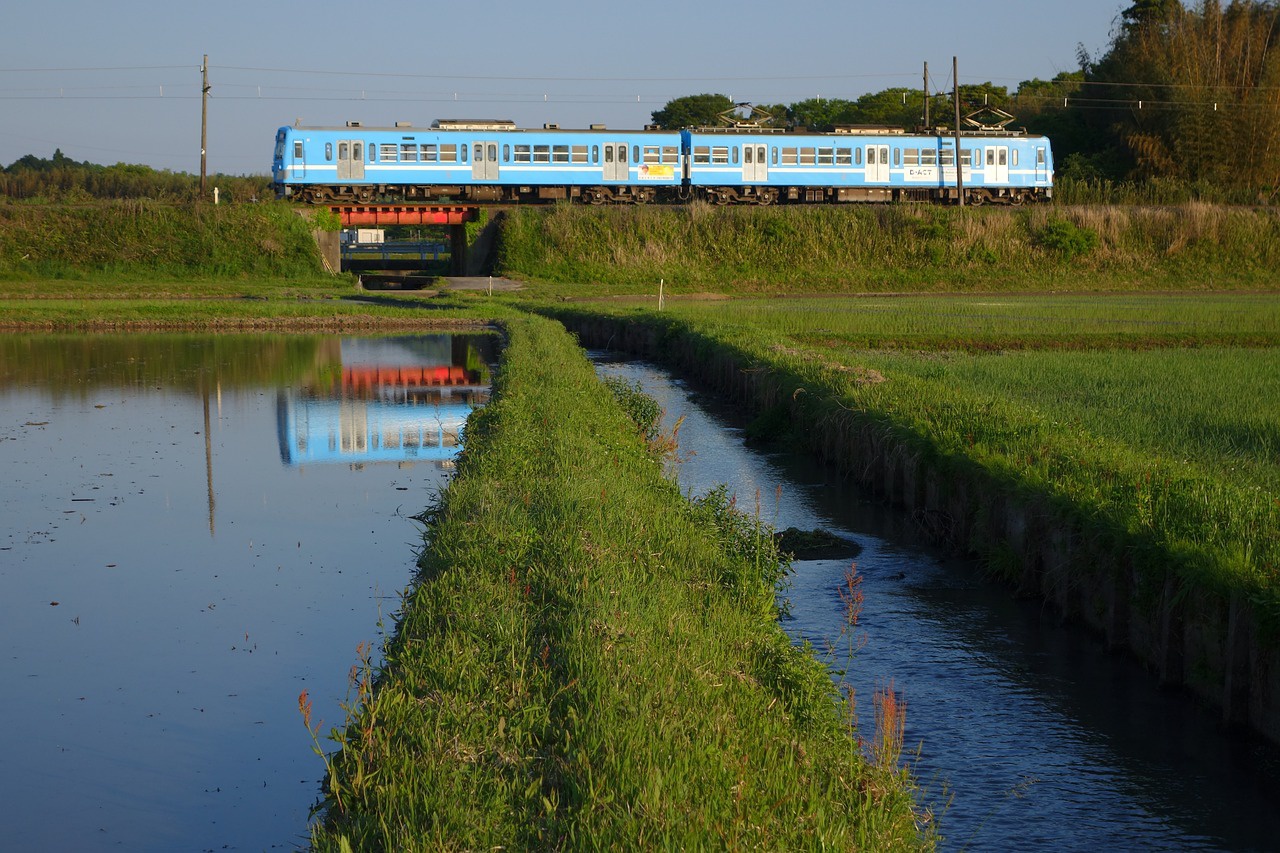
[(364, 195), (766, 196)]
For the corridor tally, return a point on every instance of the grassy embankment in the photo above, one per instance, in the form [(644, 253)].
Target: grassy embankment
[(573, 250), (587, 660), (148, 265)]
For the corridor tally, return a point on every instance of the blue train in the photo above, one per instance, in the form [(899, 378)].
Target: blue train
[(494, 161)]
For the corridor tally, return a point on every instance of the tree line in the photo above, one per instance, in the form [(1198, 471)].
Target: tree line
[(1186, 94), (63, 179)]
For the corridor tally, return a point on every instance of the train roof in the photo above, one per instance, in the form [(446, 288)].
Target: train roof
[(486, 125)]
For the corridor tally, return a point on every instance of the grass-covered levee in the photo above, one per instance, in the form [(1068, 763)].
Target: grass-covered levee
[(589, 660)]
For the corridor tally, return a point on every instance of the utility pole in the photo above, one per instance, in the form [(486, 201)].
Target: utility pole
[(204, 118), (926, 96), (955, 76)]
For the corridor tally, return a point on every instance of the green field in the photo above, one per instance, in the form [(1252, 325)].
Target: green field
[(1152, 416)]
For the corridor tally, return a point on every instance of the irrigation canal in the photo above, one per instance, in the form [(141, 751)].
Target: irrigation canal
[(197, 529), (1030, 736)]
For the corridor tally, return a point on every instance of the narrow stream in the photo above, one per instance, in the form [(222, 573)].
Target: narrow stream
[(1029, 735)]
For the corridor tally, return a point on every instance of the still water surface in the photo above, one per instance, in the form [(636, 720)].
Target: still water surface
[(197, 529), (1037, 738)]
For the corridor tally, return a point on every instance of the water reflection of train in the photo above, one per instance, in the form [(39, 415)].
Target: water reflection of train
[(402, 399)]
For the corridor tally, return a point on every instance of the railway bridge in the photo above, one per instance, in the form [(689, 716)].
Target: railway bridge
[(463, 260)]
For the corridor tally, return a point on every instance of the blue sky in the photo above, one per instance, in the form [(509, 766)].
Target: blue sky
[(120, 82)]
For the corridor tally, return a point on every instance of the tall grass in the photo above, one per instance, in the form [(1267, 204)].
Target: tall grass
[(590, 662), (151, 240), (891, 248)]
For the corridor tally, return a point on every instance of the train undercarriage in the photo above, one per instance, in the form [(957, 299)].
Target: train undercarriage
[(632, 194)]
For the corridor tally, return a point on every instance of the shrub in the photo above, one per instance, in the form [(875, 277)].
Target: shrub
[(1066, 238)]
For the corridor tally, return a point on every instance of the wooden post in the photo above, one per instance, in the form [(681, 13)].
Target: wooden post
[(204, 118), (926, 96), (955, 76)]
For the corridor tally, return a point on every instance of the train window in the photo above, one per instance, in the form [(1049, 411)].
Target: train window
[(1039, 156), (977, 158), (506, 153), (448, 153), (734, 153), (928, 156), (408, 152), (357, 151), (1013, 155), (670, 154), (746, 154), (826, 156), (1003, 156), (651, 154), (579, 154), (635, 153), (342, 151), (775, 155), (542, 153), (991, 156), (788, 156), (808, 156), (966, 157), (702, 154), (844, 156), (297, 150), (608, 153), (857, 156), (523, 154), (947, 157), (595, 153), (559, 153), (720, 154), (388, 152), (428, 153), (328, 151), (911, 156), (462, 149)]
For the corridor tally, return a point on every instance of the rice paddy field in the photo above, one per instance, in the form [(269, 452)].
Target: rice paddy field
[(1151, 415)]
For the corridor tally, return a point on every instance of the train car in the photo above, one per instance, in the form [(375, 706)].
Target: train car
[(475, 161), (866, 164)]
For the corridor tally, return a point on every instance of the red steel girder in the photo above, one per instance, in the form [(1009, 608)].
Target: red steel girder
[(405, 214)]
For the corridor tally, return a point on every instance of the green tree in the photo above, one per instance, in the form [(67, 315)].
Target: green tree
[(692, 111), (1202, 86)]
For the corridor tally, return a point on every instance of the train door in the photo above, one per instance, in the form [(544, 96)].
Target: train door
[(484, 160), (877, 164), (350, 160), (300, 159), (755, 164), (1042, 165), (997, 164), (615, 162)]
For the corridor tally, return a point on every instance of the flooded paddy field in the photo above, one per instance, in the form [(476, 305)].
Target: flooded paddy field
[(197, 530)]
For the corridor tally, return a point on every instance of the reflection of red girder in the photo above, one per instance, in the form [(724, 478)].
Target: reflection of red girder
[(409, 376), (404, 214)]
